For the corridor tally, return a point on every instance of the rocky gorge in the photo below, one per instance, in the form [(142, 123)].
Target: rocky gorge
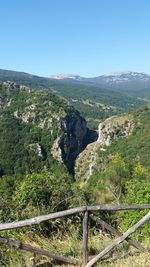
[(108, 131), (74, 139)]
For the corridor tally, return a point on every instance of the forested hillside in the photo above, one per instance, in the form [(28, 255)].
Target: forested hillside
[(93, 102), (74, 133), (29, 124), (32, 181), (123, 137), (121, 168), (42, 137)]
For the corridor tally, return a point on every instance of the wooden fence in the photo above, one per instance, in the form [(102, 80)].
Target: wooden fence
[(87, 212)]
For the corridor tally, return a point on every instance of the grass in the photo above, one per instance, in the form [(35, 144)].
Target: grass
[(128, 260), (70, 244)]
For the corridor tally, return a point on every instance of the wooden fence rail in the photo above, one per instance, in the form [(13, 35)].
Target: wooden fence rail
[(119, 240), (114, 231), (39, 251), (56, 215), (87, 214)]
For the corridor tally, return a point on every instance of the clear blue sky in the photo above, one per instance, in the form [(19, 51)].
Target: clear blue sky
[(87, 37)]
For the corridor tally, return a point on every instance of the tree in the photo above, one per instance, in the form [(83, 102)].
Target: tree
[(115, 174), (45, 190)]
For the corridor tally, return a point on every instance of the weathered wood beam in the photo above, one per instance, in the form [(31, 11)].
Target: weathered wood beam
[(119, 240), (108, 207), (114, 231), (85, 238), (40, 219), (39, 251), (56, 215)]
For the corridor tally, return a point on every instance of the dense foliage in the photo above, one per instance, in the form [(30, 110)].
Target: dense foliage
[(136, 191), (134, 149), (32, 182), (29, 124), (122, 172)]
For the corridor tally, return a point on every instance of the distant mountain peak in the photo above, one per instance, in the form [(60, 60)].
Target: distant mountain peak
[(126, 73), (62, 76), (123, 77), (118, 73), (112, 78)]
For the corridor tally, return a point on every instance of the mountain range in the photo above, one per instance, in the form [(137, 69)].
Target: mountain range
[(133, 83), (110, 79), (105, 80), (51, 160), (130, 82), (95, 98)]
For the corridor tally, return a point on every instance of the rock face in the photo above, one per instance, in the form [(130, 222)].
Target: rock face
[(12, 85), (108, 131), (114, 128), (76, 136)]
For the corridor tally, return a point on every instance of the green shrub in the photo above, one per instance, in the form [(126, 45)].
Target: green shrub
[(137, 192), (45, 189)]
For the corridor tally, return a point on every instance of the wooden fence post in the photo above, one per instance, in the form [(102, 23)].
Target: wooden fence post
[(85, 210), (85, 238)]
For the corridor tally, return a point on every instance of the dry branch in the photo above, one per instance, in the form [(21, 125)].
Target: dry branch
[(119, 240)]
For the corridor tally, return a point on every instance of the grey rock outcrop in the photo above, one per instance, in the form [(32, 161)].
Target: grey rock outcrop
[(76, 136), (114, 128)]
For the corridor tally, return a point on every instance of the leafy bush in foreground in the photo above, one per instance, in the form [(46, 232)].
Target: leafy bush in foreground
[(138, 192)]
